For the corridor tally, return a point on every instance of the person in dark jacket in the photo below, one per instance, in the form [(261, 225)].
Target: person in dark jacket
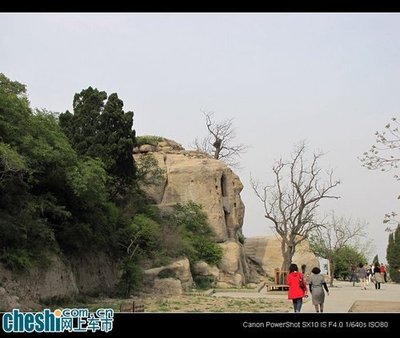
[(362, 275), (317, 285), (353, 275), (296, 292), (378, 278)]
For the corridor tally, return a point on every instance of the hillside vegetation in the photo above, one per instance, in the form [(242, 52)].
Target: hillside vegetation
[(69, 185)]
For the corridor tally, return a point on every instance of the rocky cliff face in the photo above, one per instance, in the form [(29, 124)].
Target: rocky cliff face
[(193, 176), (266, 251), (57, 278)]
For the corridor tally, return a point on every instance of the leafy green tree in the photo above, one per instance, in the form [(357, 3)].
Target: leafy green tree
[(14, 111), (25, 231), (50, 196), (339, 232), (346, 257), (145, 237), (160, 236), (12, 164), (131, 278), (88, 180), (191, 223), (139, 241), (393, 255)]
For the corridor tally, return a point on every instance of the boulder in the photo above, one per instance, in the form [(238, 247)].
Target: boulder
[(167, 286), (179, 270), (203, 269)]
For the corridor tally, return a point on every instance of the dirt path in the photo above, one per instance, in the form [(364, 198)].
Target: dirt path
[(375, 306), (343, 298)]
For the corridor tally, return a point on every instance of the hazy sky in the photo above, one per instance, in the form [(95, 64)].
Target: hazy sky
[(331, 79)]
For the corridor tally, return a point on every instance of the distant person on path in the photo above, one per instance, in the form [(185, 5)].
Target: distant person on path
[(369, 274), (317, 285), (383, 272), (297, 291), (353, 276), (362, 275), (378, 279)]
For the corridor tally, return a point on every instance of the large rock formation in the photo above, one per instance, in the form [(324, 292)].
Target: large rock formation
[(266, 251), (194, 176)]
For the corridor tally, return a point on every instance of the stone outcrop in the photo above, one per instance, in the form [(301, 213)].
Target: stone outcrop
[(57, 278), (95, 273), (266, 251), (233, 264), (54, 279), (194, 176)]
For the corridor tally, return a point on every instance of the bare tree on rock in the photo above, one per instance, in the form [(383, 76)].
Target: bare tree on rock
[(291, 202), (220, 141)]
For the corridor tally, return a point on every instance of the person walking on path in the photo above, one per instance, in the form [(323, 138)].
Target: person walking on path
[(297, 287), (369, 273), (383, 272), (353, 275), (378, 279), (317, 285), (362, 275)]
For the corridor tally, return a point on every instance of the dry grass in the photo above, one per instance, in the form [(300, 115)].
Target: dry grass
[(200, 303)]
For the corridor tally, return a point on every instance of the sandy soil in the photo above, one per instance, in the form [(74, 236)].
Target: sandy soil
[(375, 306)]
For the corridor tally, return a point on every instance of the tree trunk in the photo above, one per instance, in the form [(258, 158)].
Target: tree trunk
[(287, 256)]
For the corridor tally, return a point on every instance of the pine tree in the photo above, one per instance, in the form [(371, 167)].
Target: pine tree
[(393, 255), (101, 129)]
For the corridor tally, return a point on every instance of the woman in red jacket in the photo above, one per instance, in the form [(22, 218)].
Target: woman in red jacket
[(297, 287)]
